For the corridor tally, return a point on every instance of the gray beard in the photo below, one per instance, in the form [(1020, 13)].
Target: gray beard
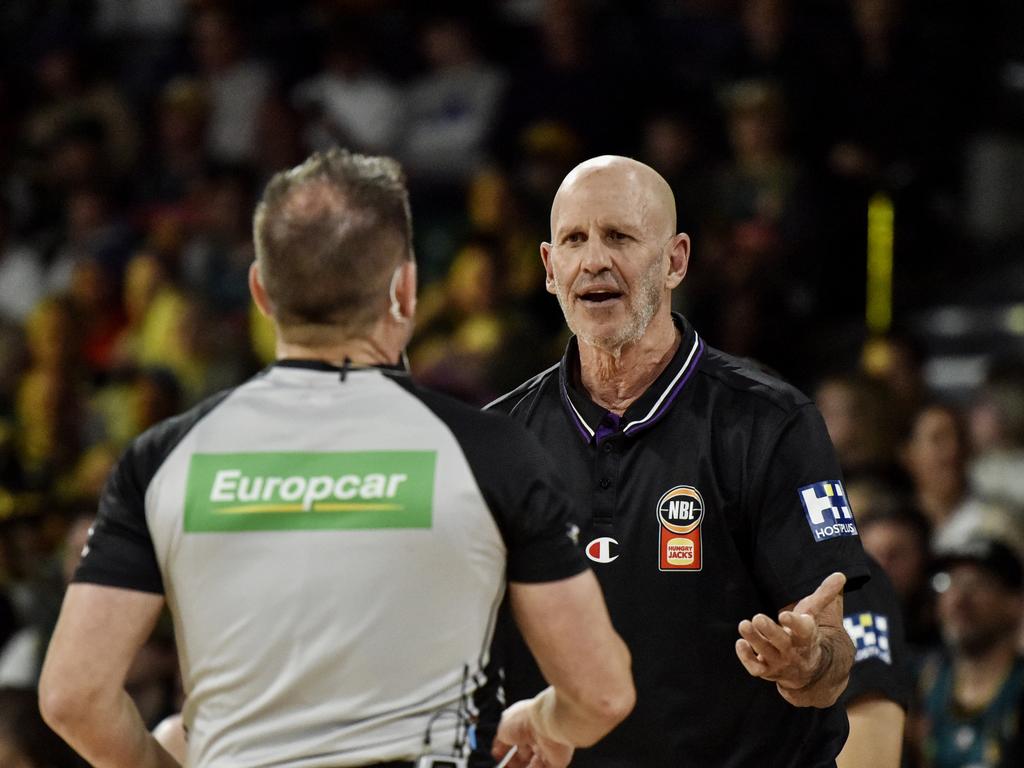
[(648, 297)]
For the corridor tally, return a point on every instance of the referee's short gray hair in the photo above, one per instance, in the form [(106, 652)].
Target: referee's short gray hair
[(329, 234)]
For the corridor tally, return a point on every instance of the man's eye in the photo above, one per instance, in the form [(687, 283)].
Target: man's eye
[(617, 236), (575, 237)]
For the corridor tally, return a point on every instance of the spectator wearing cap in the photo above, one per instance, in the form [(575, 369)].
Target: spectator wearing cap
[(972, 697)]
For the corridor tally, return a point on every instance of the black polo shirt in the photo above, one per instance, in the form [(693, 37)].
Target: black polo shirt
[(716, 496)]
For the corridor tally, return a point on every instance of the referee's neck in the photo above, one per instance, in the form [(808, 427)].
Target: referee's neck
[(366, 351)]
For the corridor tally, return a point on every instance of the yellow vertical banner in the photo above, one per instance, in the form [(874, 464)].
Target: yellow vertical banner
[(878, 309)]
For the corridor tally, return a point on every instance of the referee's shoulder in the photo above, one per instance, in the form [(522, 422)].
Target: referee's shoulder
[(525, 393), (752, 383), (452, 411)]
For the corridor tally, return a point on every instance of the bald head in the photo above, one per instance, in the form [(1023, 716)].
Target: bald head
[(614, 255), (637, 186)]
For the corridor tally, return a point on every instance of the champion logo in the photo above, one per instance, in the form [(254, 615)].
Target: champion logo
[(600, 550)]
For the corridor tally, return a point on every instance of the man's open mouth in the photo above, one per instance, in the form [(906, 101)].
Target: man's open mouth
[(599, 296)]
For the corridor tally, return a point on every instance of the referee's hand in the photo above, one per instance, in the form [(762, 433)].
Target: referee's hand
[(804, 653), (533, 750)]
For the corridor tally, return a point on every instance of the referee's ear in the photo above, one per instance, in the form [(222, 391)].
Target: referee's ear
[(259, 293)]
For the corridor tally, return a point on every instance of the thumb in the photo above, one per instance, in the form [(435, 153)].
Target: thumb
[(826, 592)]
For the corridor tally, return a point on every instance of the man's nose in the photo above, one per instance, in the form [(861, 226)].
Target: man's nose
[(596, 256)]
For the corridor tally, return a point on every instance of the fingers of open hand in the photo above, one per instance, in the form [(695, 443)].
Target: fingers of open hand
[(748, 658), (767, 639), (802, 627)]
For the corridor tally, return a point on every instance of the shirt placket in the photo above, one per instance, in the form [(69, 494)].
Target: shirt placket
[(607, 460)]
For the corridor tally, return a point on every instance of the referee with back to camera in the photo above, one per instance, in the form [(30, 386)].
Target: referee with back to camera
[(333, 542)]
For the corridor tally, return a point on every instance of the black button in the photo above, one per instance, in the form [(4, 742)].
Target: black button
[(605, 483), (608, 447)]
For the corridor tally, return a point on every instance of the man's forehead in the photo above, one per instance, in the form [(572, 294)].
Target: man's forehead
[(613, 189)]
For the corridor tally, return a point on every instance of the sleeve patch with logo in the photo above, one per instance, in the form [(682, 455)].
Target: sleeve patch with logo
[(870, 635), (828, 511)]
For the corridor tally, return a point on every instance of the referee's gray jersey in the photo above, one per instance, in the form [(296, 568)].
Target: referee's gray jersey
[(333, 545)]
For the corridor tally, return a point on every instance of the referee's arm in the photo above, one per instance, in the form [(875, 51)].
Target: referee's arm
[(566, 625), (876, 733), (81, 691)]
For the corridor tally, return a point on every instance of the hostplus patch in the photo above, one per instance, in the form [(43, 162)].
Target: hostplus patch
[(828, 511)]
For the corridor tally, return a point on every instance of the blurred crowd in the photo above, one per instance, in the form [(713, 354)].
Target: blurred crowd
[(135, 136)]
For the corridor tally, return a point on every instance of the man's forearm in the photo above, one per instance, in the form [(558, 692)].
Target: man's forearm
[(109, 735), (831, 674), (560, 720)]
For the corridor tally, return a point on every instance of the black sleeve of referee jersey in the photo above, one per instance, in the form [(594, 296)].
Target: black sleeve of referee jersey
[(521, 488), (871, 616), (120, 549), (792, 555)]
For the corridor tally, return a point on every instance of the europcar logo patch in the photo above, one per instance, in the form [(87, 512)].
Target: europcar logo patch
[(680, 513), (228, 492), (870, 635), (828, 511)]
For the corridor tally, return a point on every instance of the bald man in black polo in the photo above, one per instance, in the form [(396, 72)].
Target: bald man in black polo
[(715, 513)]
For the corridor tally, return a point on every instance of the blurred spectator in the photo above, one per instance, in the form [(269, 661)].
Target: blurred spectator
[(279, 136), (757, 282), (69, 97), (452, 107), (761, 183), (561, 76), (863, 429), (672, 144), (236, 84), (21, 272), (25, 740), (92, 230), (50, 408), (971, 698), (145, 279), (996, 427), (897, 536), (21, 659), (134, 402), (182, 119), (181, 335), (13, 363), (94, 293), (897, 361), (935, 457), (215, 261), (349, 102), (466, 330)]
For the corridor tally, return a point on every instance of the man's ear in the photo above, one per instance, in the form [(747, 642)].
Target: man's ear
[(259, 293), (678, 259), (405, 289), (549, 275)]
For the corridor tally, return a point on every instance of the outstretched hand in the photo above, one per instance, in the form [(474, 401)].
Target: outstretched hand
[(805, 652)]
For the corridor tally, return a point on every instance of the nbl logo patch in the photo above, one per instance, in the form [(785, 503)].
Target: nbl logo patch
[(680, 513), (827, 510), (870, 635)]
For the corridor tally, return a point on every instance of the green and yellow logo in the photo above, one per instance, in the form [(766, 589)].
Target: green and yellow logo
[(309, 491)]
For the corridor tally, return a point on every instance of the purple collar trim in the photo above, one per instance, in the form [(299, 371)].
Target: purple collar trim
[(666, 400), (611, 423)]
